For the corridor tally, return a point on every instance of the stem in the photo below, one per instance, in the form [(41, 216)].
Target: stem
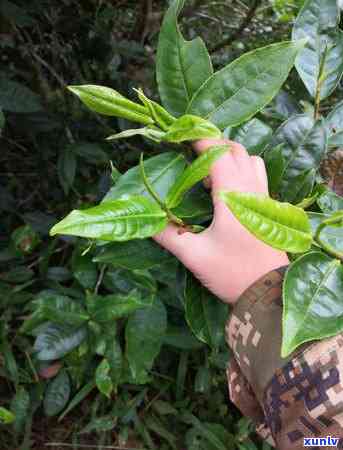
[(320, 81), (330, 250), (154, 195)]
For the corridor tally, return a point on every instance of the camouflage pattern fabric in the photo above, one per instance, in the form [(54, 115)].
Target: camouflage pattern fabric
[(288, 399)]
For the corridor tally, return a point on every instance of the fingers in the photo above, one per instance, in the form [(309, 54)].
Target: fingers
[(261, 174)]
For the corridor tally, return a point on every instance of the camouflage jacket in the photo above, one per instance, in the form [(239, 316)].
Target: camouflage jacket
[(288, 399)]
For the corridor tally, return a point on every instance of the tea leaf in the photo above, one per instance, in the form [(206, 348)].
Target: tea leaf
[(144, 334), (110, 307), (318, 22), (237, 92), (191, 128), (312, 300), (281, 225), (117, 220), (162, 172), (109, 102), (205, 314), (133, 255), (194, 173), (330, 202), (253, 135), (303, 146), (181, 66)]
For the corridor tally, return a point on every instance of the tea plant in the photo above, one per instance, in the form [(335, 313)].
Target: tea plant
[(201, 104), (102, 322)]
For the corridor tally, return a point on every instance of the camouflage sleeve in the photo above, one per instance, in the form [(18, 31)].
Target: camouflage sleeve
[(288, 399)]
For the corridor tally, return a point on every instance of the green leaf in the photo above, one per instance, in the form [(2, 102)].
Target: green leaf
[(329, 202), (196, 205), (118, 220), (253, 135), (241, 89), (20, 406), (303, 146), (334, 124), (332, 236), (83, 392), (6, 416), (206, 315), (280, 225), (57, 394), (150, 133), (115, 360), (133, 255), (194, 173), (92, 153), (111, 307), (275, 166), (103, 379), (66, 169), (125, 281), (144, 335), (312, 300), (84, 270), (301, 187), (162, 172), (181, 66), (318, 22), (161, 116), (109, 102), (17, 98), (55, 341), (191, 128)]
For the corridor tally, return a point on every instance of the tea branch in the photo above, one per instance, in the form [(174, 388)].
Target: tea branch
[(237, 33), (155, 196)]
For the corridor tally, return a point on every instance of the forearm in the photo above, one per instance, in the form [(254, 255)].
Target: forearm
[(293, 398)]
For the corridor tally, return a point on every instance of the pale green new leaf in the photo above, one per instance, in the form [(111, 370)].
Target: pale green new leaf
[(318, 23), (181, 66), (280, 225), (103, 379), (312, 300), (191, 128), (194, 173), (6, 416), (150, 133), (109, 102), (238, 91), (119, 220)]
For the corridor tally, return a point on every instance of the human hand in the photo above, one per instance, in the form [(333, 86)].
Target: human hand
[(226, 257)]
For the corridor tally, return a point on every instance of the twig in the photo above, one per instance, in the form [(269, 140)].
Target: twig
[(236, 34), (101, 276)]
